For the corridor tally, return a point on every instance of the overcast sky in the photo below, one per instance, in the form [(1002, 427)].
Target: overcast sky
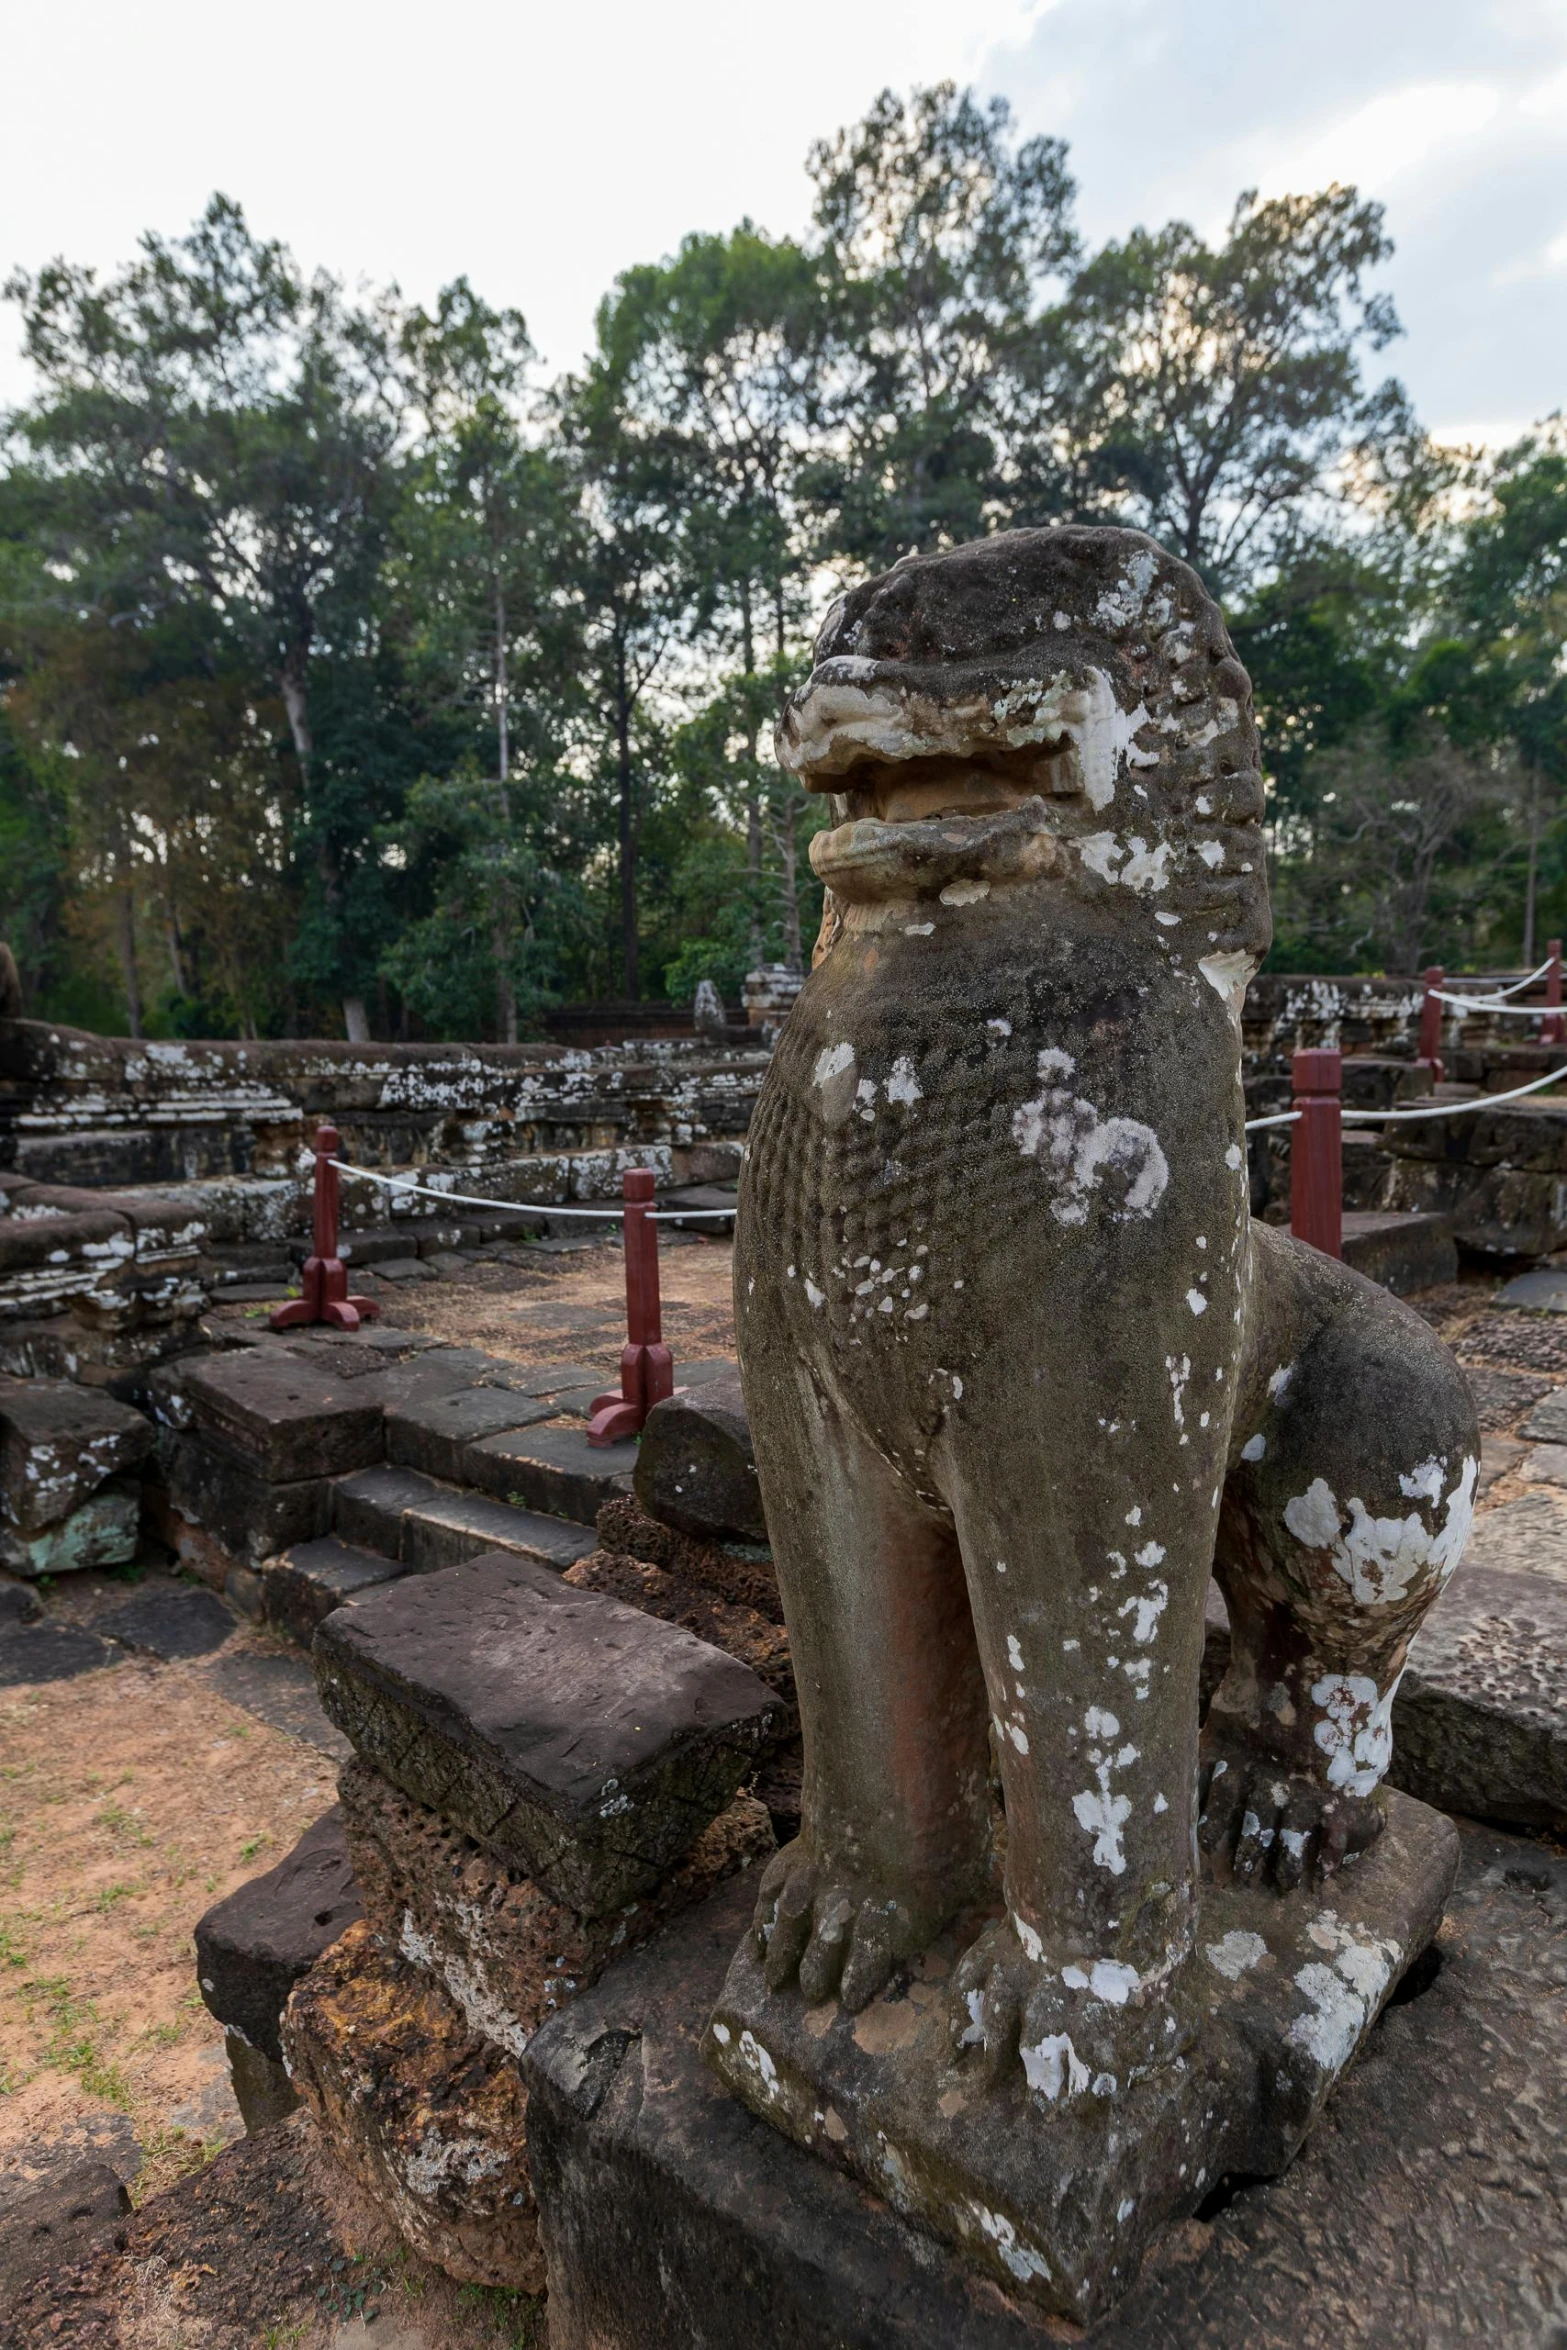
[(542, 147)]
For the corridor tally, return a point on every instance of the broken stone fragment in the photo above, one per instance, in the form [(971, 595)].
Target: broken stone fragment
[(58, 1444), (580, 1742), (100, 1532), (741, 1572), (427, 2117), (507, 1953), (695, 1467)]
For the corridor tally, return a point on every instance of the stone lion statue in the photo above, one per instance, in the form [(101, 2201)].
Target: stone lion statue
[(1021, 1371)]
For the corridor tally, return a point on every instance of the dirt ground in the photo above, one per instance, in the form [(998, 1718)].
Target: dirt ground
[(130, 1801), (540, 1308)]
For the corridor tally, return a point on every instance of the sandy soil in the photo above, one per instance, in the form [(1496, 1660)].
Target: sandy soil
[(130, 1801)]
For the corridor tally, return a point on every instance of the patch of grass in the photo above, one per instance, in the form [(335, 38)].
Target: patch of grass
[(109, 1895), (254, 1844), (72, 2048), (11, 1951), (168, 2155), (165, 2035), (122, 1823), (520, 2313)]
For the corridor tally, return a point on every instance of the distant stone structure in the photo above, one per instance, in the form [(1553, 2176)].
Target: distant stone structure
[(1020, 1373)]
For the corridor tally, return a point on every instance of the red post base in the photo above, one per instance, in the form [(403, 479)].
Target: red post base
[(325, 1299)]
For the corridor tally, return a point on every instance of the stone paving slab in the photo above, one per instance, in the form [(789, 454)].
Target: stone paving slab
[(280, 1690), (1427, 2208), (170, 1624), (1480, 1720), (52, 1652), (1502, 1396), (1527, 1537), (1543, 1291), (577, 1740), (1547, 1422)]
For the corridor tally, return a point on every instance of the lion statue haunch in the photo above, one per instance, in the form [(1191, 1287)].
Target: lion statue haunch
[(1021, 1372)]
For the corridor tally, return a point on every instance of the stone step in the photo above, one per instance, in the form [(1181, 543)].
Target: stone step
[(425, 1525), (466, 1525), (577, 1740), (302, 1586), (1402, 1252), (553, 1469)]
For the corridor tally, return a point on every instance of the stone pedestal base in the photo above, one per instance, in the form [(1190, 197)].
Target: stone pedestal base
[(1058, 2188)]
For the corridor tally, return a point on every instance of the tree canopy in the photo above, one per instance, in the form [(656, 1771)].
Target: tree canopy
[(353, 680)]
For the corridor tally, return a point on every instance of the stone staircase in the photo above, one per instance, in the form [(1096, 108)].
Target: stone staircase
[(298, 1470)]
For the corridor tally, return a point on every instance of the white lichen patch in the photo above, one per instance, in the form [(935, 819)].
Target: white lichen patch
[(1053, 2068), (1235, 1953), (1381, 1559), (1342, 1997), (1355, 1730), (1081, 1148)]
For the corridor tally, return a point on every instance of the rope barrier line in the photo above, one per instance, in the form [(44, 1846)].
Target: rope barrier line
[(1482, 1101), (1517, 986), (1284, 1118), (1476, 1003), (521, 1207)]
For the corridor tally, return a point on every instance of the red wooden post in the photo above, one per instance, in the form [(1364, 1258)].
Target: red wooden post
[(1317, 1152), (1552, 1030), (1430, 1053), (647, 1368), (325, 1278)]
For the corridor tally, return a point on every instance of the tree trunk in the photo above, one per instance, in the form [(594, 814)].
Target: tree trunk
[(503, 927), (753, 800), (1531, 886), (125, 943), (292, 675), (628, 834)]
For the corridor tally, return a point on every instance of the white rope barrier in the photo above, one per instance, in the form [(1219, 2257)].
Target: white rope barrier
[(1284, 1118), (1515, 988), (1481, 1101), (1475, 1003), (520, 1207)]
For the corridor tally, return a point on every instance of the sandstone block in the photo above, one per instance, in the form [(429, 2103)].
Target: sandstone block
[(250, 1517), (695, 1467), (100, 1532), (369, 1506), (580, 1742), (433, 1432), (555, 1470), (58, 1444), (252, 1947), (450, 1527), (428, 2117), (283, 1419), (739, 1631), (304, 1584), (1480, 1724), (505, 1951)]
